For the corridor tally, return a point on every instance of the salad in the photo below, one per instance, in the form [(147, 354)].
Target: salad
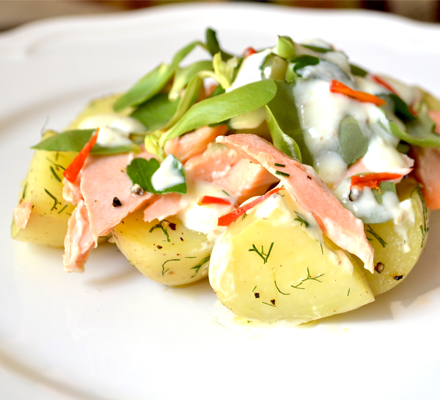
[(299, 182)]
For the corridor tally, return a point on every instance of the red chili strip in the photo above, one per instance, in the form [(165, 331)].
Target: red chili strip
[(381, 82), (249, 51), (212, 200), (338, 87), (74, 168), (227, 219), (372, 180)]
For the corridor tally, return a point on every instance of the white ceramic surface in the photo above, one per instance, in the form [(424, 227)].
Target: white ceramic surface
[(112, 334)]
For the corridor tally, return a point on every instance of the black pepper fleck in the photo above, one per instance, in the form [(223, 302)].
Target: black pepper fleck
[(181, 239), (379, 267), (116, 202), (309, 177), (172, 226), (273, 301), (398, 277), (257, 295), (159, 247)]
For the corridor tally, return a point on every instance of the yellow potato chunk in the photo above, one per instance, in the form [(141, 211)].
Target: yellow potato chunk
[(43, 187), (166, 252), (395, 255), (274, 265)]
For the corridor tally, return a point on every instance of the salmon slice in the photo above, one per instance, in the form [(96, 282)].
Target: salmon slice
[(192, 144), (427, 166), (166, 205), (79, 240), (22, 213), (426, 172), (103, 196), (226, 168), (106, 189), (307, 188)]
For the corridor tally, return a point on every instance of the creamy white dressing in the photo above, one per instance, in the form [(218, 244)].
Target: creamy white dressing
[(251, 69), (167, 175), (249, 120), (114, 130), (204, 218), (382, 157)]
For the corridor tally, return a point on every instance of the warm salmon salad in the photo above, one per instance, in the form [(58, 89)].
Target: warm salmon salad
[(298, 182)]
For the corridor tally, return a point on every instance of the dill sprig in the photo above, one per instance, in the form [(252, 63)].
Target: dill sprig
[(309, 278), (379, 239), (160, 226), (261, 253)]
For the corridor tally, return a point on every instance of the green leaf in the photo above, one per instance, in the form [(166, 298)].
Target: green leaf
[(141, 172), (317, 49), (152, 144), (285, 47), (358, 71), (284, 111), (398, 106), (75, 140), (354, 144), (304, 61), (213, 45), (154, 81), (223, 107), (419, 132), (280, 140), (184, 75), (156, 112), (225, 71), (383, 188)]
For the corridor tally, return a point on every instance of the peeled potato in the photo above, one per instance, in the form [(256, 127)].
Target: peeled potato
[(272, 266), (166, 252), (394, 256)]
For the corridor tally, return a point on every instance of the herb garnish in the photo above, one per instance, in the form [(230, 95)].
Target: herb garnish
[(423, 228), (55, 174), (285, 294), (200, 264), (261, 253), (282, 174), (160, 226), (279, 165), (164, 271), (301, 220), (309, 277), (59, 212), (55, 200), (379, 239)]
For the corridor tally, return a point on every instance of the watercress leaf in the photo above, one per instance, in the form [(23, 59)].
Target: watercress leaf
[(184, 75), (223, 107), (154, 81), (218, 90), (73, 140), (317, 49), (285, 47), (213, 45), (304, 61), (140, 172), (398, 106), (358, 71), (280, 140), (225, 71), (189, 98), (383, 188), (283, 109), (156, 112), (419, 132), (76, 139), (143, 173), (353, 143)]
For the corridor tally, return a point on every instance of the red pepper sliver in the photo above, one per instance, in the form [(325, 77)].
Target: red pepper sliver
[(372, 180), (381, 82), (74, 168), (249, 51), (212, 200), (232, 216), (338, 87)]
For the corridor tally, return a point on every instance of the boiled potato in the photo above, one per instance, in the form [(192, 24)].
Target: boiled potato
[(166, 252), (273, 264), (394, 257), (43, 187)]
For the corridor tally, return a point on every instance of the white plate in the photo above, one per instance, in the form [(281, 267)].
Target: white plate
[(112, 334)]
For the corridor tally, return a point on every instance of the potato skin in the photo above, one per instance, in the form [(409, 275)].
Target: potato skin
[(165, 252), (299, 281), (392, 263), (43, 187)]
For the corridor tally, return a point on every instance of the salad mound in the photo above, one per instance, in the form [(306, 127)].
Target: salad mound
[(299, 182)]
